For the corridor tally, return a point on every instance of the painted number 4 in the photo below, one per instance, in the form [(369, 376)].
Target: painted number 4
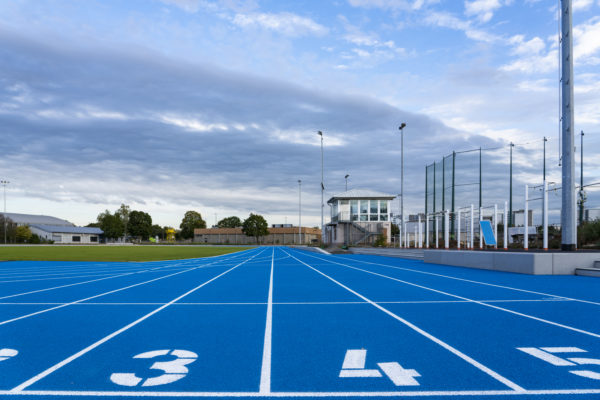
[(548, 354), (354, 367), (173, 370)]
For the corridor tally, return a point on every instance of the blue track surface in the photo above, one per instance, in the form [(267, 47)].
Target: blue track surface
[(280, 322)]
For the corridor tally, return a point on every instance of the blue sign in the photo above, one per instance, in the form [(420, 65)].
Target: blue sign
[(487, 232)]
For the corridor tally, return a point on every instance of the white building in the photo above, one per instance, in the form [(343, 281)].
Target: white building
[(358, 217), (56, 229)]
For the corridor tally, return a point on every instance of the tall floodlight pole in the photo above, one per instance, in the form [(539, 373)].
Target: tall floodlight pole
[(4, 183), (401, 127), (299, 211), (510, 212), (567, 215), (581, 195), (545, 140), (346, 178), (322, 185)]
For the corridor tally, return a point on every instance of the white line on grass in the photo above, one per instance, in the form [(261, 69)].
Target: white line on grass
[(429, 336), (75, 356), (473, 301), (471, 281), (265, 372), (106, 293)]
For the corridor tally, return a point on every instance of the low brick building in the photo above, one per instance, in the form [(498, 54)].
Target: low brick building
[(276, 236)]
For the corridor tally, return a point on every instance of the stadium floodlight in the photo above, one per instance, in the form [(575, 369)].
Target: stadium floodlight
[(401, 127), (4, 183), (346, 178), (322, 185)]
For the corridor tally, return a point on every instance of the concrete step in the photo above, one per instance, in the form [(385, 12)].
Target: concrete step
[(588, 271), (597, 264)]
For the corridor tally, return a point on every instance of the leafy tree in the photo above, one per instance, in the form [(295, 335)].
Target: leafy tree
[(191, 220), (93, 225), (111, 224), (123, 213), (159, 231), (10, 229), (255, 225), (229, 222), (139, 224), (395, 230), (23, 234)]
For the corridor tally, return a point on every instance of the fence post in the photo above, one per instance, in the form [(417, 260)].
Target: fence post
[(420, 232), (426, 231), (447, 229), (496, 224), (545, 215), (458, 231), (480, 235), (525, 223), (437, 240), (505, 220), (472, 241)]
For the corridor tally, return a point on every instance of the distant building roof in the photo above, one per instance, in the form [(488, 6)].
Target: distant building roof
[(29, 219), (361, 194), (67, 229)]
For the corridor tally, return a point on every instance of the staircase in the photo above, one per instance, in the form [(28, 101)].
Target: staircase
[(366, 234), (593, 271)]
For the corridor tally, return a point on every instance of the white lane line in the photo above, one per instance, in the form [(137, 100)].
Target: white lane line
[(75, 356), (104, 294), (571, 328), (472, 281), (265, 372), (429, 336), (415, 393)]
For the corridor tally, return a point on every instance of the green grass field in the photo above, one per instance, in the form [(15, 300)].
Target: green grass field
[(110, 253)]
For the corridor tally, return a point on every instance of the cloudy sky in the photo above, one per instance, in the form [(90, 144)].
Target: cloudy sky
[(214, 106)]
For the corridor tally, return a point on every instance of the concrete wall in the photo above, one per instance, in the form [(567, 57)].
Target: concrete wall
[(519, 262)]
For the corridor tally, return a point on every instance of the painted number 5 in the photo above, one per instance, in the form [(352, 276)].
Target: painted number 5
[(173, 370)]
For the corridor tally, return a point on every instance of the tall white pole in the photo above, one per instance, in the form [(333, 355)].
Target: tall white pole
[(505, 222), (406, 244), (458, 231), (437, 239), (480, 233), (300, 212), (496, 225), (322, 187), (420, 232), (426, 231), (447, 229), (472, 232), (526, 233), (545, 215), (402, 125), (568, 216)]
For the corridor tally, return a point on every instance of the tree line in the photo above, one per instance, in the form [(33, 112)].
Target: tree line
[(125, 222)]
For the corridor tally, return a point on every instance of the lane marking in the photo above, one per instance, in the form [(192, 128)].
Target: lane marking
[(412, 393), (429, 336), (467, 280), (265, 372), (542, 355), (355, 359), (285, 303), (104, 294), (475, 301), (75, 356)]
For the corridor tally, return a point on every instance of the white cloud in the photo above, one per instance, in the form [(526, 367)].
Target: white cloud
[(587, 42), (582, 5), (484, 9), (392, 4), (446, 20), (285, 23)]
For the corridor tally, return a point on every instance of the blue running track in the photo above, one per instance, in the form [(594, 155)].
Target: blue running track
[(281, 322)]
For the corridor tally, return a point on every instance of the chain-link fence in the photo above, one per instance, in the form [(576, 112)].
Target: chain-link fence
[(488, 177)]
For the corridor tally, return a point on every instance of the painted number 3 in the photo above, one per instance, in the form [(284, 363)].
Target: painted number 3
[(173, 370)]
